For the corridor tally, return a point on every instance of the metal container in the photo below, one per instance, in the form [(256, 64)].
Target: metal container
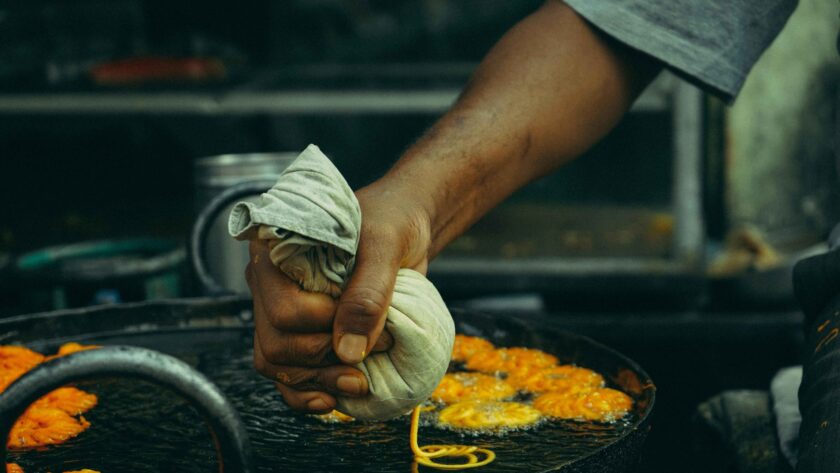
[(225, 257)]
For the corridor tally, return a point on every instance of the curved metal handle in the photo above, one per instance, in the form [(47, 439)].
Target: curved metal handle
[(205, 219), (233, 448)]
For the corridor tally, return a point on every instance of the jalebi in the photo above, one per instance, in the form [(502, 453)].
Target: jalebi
[(335, 417), (456, 387), (427, 455), (488, 415), (52, 419), (563, 378), (466, 346), (601, 404), (510, 360)]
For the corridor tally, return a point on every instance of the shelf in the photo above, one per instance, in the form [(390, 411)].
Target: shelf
[(308, 101)]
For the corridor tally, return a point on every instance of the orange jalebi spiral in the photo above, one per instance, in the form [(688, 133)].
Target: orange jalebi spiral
[(563, 378), (427, 454), (466, 346), (456, 387), (601, 404), (53, 418), (510, 360)]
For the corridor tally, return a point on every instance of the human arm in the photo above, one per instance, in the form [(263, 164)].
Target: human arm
[(545, 93)]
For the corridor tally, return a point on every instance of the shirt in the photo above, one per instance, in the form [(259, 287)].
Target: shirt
[(711, 43)]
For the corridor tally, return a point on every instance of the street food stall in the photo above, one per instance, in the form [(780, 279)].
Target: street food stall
[(660, 259)]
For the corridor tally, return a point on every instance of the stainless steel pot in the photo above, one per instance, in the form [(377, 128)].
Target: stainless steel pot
[(225, 257)]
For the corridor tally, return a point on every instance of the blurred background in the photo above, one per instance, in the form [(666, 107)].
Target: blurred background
[(671, 240)]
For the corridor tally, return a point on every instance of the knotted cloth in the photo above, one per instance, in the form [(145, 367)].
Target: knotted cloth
[(312, 221)]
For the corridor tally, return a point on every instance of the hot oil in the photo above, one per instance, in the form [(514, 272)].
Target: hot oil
[(140, 428)]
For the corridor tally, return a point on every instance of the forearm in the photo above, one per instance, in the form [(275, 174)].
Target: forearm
[(545, 93)]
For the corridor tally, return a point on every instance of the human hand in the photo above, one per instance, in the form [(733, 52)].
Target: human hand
[(293, 339), (296, 330)]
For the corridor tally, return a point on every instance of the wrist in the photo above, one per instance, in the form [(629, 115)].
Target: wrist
[(393, 215)]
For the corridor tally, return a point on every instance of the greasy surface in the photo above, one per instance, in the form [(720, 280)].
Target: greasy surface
[(145, 429)]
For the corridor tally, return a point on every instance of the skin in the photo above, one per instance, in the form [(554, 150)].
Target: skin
[(546, 92)]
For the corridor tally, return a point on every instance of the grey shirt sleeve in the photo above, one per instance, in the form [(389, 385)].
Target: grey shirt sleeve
[(712, 43)]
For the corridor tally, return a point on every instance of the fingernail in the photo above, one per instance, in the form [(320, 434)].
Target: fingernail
[(349, 384), (317, 404), (351, 348)]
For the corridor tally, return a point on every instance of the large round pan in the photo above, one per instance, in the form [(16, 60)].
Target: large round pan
[(213, 335)]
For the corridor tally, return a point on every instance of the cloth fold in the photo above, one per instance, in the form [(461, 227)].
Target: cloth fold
[(312, 221)]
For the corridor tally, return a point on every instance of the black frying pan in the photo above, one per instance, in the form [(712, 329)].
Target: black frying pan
[(213, 335)]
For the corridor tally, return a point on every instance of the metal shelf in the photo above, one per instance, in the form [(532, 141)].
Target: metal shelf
[(310, 101)]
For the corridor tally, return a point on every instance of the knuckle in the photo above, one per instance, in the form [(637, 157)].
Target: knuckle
[(300, 379), (304, 350), (278, 353), (379, 231), (278, 315), (315, 349), (364, 304), (326, 379)]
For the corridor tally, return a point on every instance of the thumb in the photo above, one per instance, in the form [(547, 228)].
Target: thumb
[(363, 306)]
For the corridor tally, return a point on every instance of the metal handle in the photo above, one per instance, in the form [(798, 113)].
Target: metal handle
[(233, 448), (205, 219)]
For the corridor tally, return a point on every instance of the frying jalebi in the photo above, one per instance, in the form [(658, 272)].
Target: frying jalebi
[(476, 400), (70, 348), (68, 399), (602, 405), (563, 378), (456, 387), (52, 418), (466, 346), (14, 361), (9, 376), (40, 426), (510, 360), (335, 417), (428, 454), (488, 415), (17, 357)]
